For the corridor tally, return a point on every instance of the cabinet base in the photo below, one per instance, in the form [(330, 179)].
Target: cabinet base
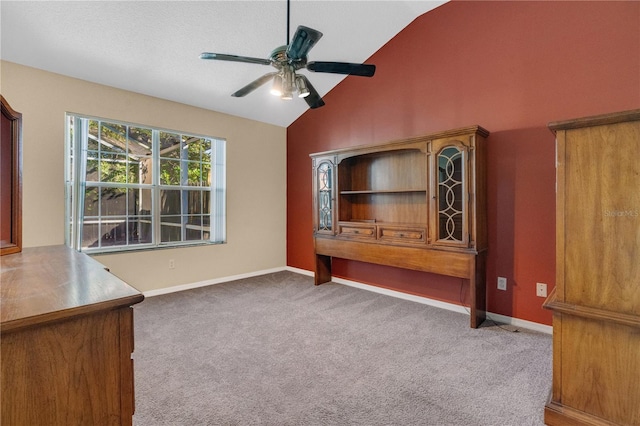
[(469, 266)]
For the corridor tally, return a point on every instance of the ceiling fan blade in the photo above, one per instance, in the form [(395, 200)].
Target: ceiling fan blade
[(313, 99), (303, 40), (253, 85), (234, 58), (363, 70)]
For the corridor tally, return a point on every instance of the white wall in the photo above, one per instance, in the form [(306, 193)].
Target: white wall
[(256, 176)]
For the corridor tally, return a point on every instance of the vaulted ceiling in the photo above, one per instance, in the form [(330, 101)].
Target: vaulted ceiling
[(153, 47)]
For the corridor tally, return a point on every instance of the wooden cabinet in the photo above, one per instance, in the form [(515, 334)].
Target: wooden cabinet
[(10, 180), (596, 301), (66, 340), (417, 203)]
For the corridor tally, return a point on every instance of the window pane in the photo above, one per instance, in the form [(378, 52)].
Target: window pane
[(139, 202), (169, 172), (113, 168), (92, 140), (194, 204), (194, 147), (91, 202), (140, 141), (92, 167), (90, 232), (113, 201), (114, 232), (194, 228), (133, 172), (206, 202), (171, 228), (194, 173), (170, 202), (145, 165), (206, 173), (140, 230), (169, 145), (113, 137)]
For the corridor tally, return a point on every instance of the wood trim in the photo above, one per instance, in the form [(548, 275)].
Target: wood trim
[(451, 263), (594, 313), (596, 120), (560, 209), (15, 118), (409, 143), (127, 398)]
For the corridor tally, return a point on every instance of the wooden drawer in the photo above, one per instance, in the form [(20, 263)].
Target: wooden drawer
[(403, 235), (356, 230)]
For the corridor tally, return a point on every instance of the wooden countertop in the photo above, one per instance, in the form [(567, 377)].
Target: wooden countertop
[(45, 284)]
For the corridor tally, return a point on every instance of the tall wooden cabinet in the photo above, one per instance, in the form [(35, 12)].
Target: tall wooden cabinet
[(417, 203), (596, 301), (66, 340), (10, 179)]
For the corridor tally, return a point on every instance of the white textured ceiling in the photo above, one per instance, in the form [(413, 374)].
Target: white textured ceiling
[(152, 47)]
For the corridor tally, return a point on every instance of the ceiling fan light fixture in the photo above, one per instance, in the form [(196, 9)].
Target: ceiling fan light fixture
[(301, 85), (276, 89), (287, 96)]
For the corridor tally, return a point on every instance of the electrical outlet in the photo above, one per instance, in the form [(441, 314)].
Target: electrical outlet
[(541, 290), (502, 283), (172, 264)]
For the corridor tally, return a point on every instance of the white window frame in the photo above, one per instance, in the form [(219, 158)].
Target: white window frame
[(76, 147)]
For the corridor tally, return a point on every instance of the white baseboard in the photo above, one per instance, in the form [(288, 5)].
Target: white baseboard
[(190, 286), (300, 271), (516, 322), (393, 293), (503, 319)]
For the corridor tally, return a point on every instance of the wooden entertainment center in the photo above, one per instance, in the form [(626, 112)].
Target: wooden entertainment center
[(416, 203)]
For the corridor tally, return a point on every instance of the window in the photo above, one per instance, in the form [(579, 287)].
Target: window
[(132, 187)]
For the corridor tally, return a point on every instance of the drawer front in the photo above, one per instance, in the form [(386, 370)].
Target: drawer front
[(403, 235), (358, 231)]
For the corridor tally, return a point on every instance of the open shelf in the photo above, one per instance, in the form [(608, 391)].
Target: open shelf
[(381, 191)]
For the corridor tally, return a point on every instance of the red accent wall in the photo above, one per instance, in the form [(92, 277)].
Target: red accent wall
[(511, 67)]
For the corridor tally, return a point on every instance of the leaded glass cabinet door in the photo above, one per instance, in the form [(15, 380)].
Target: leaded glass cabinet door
[(450, 194), (324, 195)]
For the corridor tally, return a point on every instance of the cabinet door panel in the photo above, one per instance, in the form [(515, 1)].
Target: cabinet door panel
[(602, 218), (600, 366), (324, 185), (450, 170), (67, 373)]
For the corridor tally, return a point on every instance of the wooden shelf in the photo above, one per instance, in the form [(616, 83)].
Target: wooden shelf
[(381, 191)]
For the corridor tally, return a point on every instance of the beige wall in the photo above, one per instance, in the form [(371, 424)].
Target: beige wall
[(256, 176)]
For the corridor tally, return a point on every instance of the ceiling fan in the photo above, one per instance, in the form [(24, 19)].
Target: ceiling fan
[(287, 60)]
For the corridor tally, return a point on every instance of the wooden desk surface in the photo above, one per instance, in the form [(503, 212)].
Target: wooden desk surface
[(45, 284)]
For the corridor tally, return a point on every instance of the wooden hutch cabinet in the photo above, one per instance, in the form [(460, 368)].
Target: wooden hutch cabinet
[(596, 300), (417, 203)]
